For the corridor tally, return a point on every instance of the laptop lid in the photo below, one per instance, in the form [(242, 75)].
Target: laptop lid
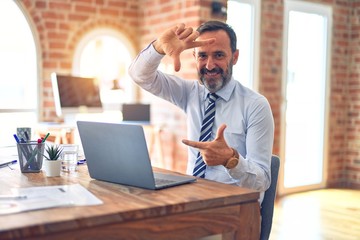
[(118, 153)]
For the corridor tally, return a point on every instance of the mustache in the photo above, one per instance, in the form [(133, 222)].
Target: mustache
[(214, 70)]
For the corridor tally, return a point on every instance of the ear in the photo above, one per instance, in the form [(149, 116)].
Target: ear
[(235, 56)]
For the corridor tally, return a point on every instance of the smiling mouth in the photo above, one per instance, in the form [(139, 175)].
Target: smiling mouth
[(212, 74)]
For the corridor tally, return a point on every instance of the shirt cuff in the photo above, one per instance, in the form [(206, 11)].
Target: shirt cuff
[(151, 53)]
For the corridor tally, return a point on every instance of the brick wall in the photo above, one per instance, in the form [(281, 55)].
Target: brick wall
[(339, 94), (352, 158), (271, 60), (60, 24)]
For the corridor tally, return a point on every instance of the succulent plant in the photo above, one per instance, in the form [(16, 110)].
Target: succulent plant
[(53, 152)]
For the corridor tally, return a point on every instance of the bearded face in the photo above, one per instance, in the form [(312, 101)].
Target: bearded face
[(215, 61), (216, 78)]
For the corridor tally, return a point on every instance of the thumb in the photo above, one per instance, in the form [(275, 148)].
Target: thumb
[(220, 132)]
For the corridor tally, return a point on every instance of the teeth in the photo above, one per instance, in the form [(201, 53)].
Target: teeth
[(211, 74)]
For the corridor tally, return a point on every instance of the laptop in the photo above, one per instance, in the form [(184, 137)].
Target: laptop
[(136, 113), (118, 153)]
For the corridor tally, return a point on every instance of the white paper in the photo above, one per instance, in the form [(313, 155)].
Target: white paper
[(8, 153), (48, 197)]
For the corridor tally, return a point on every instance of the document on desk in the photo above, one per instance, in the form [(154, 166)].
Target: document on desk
[(8, 154), (34, 198)]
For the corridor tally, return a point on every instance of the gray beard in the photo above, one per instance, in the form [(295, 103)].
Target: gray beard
[(214, 85)]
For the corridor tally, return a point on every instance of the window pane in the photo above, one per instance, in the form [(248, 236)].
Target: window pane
[(305, 113), (18, 73), (107, 59), (241, 18), (18, 76)]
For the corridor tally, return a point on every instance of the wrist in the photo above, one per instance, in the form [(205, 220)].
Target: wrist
[(157, 47), (233, 160)]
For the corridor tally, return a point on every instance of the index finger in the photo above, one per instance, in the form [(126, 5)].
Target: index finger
[(199, 43), (199, 145)]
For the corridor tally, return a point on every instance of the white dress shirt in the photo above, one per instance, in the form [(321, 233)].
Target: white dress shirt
[(247, 114)]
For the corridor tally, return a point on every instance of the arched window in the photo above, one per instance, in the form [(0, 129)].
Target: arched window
[(106, 55), (18, 72)]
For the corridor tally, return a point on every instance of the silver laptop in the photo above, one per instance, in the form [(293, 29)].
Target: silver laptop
[(118, 153)]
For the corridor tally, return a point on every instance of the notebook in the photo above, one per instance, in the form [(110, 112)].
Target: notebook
[(118, 153)]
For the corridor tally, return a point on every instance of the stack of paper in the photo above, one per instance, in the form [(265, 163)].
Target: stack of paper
[(33, 198)]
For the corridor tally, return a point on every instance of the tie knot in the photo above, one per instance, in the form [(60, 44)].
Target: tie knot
[(212, 97)]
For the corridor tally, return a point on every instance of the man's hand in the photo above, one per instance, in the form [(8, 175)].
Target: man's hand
[(215, 152), (175, 40)]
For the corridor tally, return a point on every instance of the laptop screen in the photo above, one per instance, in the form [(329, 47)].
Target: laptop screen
[(136, 112)]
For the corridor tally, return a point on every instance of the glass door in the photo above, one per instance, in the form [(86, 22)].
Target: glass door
[(306, 73)]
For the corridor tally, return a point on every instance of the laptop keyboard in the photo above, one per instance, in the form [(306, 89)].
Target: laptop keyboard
[(162, 181)]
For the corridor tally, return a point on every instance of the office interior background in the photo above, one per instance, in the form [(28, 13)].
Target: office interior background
[(304, 56)]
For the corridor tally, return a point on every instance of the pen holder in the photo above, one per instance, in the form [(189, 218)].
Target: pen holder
[(31, 156)]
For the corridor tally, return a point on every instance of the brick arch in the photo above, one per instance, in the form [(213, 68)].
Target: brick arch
[(93, 25)]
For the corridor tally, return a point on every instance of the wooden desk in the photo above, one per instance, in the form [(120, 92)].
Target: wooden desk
[(184, 212)]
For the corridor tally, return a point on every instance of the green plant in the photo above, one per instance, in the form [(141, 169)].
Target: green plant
[(53, 152)]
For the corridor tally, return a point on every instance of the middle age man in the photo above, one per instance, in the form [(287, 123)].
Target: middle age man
[(234, 143)]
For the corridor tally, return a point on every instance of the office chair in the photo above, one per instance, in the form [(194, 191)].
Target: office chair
[(267, 206)]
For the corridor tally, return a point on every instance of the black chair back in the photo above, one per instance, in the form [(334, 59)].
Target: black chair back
[(267, 206)]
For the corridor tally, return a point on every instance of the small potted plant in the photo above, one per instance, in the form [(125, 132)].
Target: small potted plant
[(52, 162)]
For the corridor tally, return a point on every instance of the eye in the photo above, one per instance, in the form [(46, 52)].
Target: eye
[(219, 55), (201, 56)]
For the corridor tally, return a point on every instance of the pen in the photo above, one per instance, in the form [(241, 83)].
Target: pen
[(81, 161), (12, 197), (30, 157), (8, 163), (27, 135), (16, 138), (23, 148), (47, 135), (35, 151)]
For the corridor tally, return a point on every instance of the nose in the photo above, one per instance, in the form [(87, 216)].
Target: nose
[(210, 63)]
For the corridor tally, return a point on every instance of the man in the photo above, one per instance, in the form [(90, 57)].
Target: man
[(239, 146)]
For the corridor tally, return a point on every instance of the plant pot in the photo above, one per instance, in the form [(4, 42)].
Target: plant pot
[(52, 168)]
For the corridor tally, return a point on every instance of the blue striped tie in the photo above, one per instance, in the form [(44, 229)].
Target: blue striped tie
[(206, 128)]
